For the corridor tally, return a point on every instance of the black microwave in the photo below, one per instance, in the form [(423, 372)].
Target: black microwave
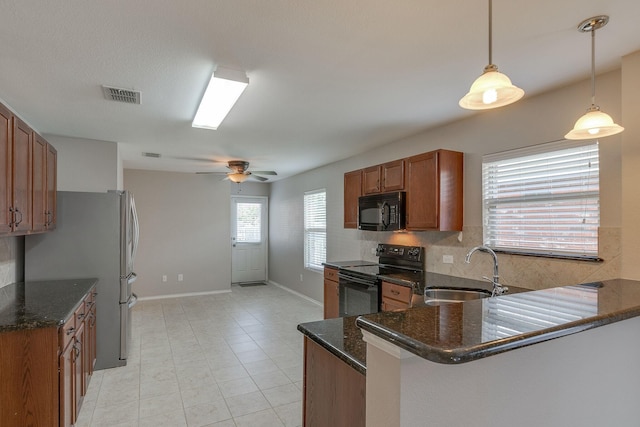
[(382, 212)]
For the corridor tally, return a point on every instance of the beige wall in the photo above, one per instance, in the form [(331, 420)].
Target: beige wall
[(534, 120), (631, 166), (10, 257), (86, 164), (184, 229)]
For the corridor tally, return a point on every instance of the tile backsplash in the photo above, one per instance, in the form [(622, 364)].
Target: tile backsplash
[(8, 263), (516, 270)]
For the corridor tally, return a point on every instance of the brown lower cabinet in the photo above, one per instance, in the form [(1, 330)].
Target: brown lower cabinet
[(334, 392), (44, 373), (331, 293)]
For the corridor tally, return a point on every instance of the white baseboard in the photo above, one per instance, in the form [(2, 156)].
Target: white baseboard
[(296, 293), (189, 294)]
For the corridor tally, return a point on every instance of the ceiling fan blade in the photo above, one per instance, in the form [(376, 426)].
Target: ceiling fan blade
[(259, 178), (211, 173), (265, 172)]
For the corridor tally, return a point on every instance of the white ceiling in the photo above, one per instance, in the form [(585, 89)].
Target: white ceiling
[(328, 78)]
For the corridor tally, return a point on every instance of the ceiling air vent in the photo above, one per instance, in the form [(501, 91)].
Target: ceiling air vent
[(121, 95), (154, 155)]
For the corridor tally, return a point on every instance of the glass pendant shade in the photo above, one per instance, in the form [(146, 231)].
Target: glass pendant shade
[(594, 124), (491, 90), (237, 177)]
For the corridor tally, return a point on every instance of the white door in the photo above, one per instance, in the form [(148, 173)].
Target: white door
[(248, 239)]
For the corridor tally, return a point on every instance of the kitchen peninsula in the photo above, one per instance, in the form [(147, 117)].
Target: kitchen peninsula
[(497, 362)]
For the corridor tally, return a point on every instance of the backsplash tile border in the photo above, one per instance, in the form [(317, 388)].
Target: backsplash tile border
[(515, 270)]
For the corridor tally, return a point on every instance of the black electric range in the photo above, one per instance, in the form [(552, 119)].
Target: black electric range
[(359, 285)]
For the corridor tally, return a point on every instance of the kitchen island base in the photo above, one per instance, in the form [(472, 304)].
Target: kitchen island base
[(590, 378), (334, 392)]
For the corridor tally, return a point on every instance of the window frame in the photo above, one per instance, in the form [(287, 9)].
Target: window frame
[(309, 231), (493, 183)]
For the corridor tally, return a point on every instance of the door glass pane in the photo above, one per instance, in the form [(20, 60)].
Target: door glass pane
[(248, 226)]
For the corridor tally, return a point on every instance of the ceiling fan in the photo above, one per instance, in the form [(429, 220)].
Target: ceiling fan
[(239, 172)]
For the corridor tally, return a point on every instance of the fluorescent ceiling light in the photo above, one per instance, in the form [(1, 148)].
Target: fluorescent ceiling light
[(224, 89)]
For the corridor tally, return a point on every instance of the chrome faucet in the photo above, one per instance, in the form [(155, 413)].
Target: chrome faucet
[(498, 289)]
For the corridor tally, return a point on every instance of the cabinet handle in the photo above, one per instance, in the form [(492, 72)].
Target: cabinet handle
[(393, 291), (80, 316), (70, 331), (16, 210)]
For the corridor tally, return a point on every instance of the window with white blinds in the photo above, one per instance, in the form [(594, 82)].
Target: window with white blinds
[(248, 222), (543, 199), (315, 229)]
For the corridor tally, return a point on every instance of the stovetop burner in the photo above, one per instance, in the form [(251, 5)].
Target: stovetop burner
[(404, 263)]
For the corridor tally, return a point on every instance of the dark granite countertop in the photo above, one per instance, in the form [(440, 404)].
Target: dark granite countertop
[(458, 333), (341, 337), (40, 304)]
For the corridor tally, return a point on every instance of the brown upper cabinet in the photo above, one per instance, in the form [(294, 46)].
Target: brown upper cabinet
[(383, 178), (28, 179), (44, 184), (434, 191), (433, 182), (22, 215), (371, 180), (352, 190), (392, 176)]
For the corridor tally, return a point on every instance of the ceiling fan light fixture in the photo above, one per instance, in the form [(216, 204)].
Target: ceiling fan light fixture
[(594, 123), (224, 89), (237, 177), (492, 89)]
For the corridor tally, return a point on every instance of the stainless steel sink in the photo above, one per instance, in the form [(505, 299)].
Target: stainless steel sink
[(439, 295)]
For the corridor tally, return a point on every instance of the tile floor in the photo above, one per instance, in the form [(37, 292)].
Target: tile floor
[(232, 359)]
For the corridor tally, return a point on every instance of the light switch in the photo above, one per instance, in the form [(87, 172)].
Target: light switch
[(447, 259)]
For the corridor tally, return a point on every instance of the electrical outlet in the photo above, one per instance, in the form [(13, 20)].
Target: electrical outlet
[(180, 277), (164, 278), (447, 259)]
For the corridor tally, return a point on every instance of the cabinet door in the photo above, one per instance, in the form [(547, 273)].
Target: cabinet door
[(422, 191), (22, 182), (331, 299), (51, 187), (39, 165), (352, 190), (334, 394), (393, 305), (79, 386), (6, 217), (371, 180), (67, 417), (393, 176), (92, 338)]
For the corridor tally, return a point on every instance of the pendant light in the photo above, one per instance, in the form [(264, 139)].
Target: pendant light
[(595, 123), (492, 89)]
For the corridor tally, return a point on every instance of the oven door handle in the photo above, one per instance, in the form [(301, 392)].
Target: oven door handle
[(358, 281)]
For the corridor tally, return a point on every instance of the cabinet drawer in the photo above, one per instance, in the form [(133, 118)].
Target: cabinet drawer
[(67, 332), (396, 292), (80, 314), (331, 274)]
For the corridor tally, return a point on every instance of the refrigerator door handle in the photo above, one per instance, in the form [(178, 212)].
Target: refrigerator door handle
[(136, 229), (133, 300), (132, 278)]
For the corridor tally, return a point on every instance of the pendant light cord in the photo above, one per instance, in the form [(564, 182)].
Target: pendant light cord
[(490, 32), (593, 67)]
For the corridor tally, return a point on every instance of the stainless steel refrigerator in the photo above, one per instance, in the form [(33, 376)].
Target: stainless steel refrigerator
[(96, 236)]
